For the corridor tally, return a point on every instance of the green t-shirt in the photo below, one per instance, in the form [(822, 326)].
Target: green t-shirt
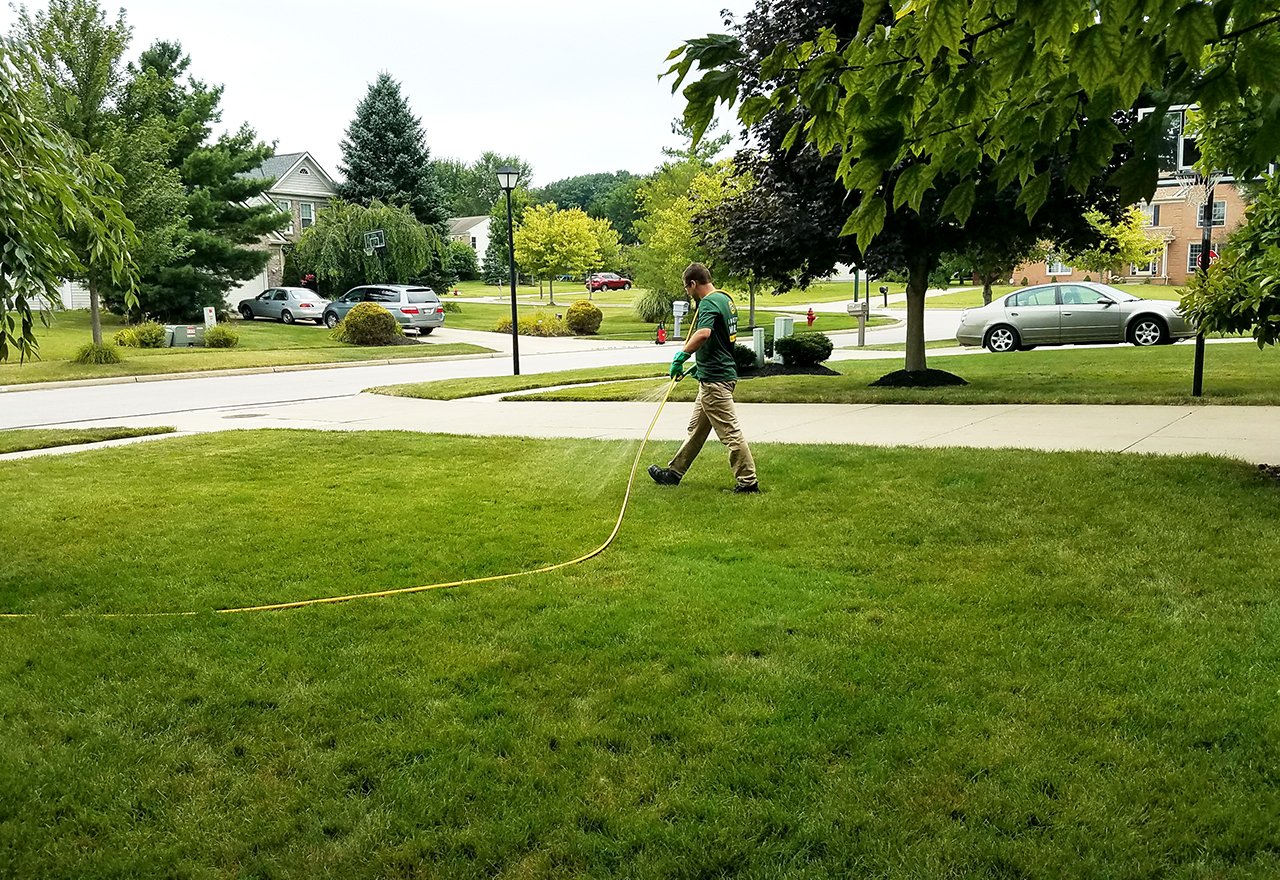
[(715, 361)]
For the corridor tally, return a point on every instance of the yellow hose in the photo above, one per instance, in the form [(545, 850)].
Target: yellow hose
[(330, 600)]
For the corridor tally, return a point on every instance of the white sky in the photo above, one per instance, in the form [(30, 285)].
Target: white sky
[(569, 85)]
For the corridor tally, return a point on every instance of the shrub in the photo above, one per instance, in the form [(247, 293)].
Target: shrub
[(97, 354), (744, 359), (804, 349), (368, 324), (584, 318), (148, 334), (221, 336), (652, 307), (1024, 281), (451, 306), (538, 324)]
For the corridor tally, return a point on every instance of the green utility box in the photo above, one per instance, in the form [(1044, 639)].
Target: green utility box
[(184, 335)]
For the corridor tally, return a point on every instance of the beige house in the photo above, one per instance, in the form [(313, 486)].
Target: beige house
[(301, 189)]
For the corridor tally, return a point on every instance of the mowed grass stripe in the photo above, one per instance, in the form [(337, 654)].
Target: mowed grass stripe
[(899, 663)]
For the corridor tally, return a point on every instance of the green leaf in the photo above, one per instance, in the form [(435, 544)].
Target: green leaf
[(943, 27), (1034, 194), (959, 202), (1097, 53), (871, 10), (911, 185), (867, 221), (1137, 178), (1191, 28), (754, 109)]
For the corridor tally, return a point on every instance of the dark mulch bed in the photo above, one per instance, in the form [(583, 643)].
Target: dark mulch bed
[(1270, 470), (784, 370), (918, 379)]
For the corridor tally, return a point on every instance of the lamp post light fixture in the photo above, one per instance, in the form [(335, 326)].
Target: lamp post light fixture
[(508, 177)]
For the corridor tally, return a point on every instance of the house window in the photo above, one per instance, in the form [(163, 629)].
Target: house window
[(1219, 215), (304, 171), (1055, 267), (1150, 213), (1152, 268), (473, 242), (286, 206), (307, 210)]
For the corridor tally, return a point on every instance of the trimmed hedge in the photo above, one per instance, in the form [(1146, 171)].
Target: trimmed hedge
[(368, 324), (584, 318), (148, 334), (221, 336), (804, 349)]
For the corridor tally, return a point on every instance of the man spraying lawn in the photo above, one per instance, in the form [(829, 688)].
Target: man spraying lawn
[(715, 330)]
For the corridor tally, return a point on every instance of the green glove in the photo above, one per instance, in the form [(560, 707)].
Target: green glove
[(677, 365)]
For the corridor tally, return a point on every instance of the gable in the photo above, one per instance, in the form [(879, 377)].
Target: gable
[(305, 178)]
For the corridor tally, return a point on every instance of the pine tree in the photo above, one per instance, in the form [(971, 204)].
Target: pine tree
[(385, 156), (217, 183)]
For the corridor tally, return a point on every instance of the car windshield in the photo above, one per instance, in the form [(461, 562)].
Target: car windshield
[(1112, 293), (423, 295)]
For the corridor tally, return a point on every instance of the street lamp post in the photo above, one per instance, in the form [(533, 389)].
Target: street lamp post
[(508, 177), (1206, 248)]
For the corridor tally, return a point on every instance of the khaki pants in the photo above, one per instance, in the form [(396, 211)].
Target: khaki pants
[(713, 408)]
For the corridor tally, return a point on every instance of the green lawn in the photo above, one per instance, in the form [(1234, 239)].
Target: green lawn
[(262, 344), (620, 322), (454, 389), (1234, 374), (894, 663), (23, 439)]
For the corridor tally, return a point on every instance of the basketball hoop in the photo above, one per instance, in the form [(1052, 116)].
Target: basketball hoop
[(1194, 188)]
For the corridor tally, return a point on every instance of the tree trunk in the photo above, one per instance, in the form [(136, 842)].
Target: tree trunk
[(95, 314), (917, 285), (551, 291), (986, 289), (539, 288)]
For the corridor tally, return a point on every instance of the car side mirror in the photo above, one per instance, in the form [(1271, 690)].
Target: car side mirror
[(1103, 301)]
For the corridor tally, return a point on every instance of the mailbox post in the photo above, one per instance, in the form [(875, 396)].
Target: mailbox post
[(861, 311), (679, 309)]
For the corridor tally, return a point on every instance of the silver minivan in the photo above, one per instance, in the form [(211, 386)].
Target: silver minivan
[(413, 306)]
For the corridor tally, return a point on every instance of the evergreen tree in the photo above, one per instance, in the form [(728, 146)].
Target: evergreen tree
[(385, 156), (217, 183)]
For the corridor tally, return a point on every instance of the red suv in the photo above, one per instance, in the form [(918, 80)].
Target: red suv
[(607, 281)]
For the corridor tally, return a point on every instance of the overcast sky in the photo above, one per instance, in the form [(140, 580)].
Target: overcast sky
[(569, 85)]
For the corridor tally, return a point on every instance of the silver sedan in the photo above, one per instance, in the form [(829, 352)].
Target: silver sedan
[(287, 304), (1063, 314)]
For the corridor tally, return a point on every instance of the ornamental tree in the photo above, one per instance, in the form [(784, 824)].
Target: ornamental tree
[(385, 156), (333, 249), (553, 242), (1123, 241)]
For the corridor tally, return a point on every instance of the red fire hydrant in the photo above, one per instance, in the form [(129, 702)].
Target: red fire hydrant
[(661, 338), (809, 317)]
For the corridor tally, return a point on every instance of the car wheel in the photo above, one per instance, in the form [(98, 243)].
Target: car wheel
[(1147, 331), (425, 331), (331, 320), (627, 286), (286, 316), (246, 313), (1003, 338)]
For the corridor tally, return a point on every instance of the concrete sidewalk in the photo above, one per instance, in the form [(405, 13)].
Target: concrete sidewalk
[(1251, 433)]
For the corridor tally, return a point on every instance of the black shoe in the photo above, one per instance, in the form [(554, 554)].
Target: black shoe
[(664, 476), (748, 489)]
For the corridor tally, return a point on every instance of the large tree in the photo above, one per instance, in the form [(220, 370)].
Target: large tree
[(50, 193), (471, 190), (228, 217), (918, 225), (385, 156), (946, 84), (495, 266)]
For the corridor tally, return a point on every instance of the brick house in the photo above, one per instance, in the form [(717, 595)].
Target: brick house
[(1171, 217), (302, 188)]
